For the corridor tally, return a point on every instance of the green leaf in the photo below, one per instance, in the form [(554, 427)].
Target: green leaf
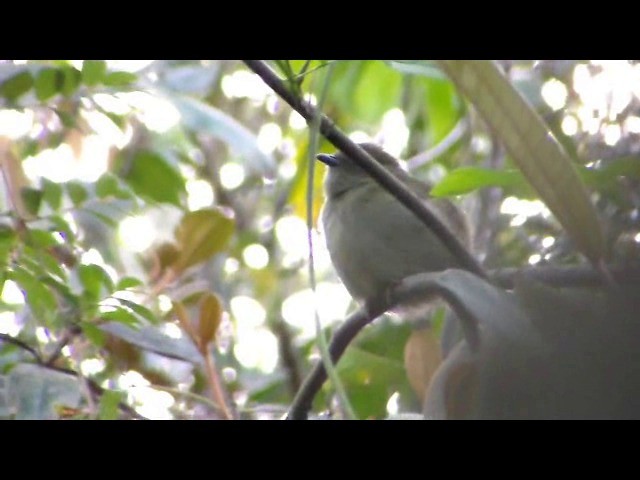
[(47, 263), (200, 235), (16, 86), (128, 282), (32, 198), (93, 278), (77, 192), (108, 407), (8, 240), (52, 194), (119, 79), (200, 117), (468, 179), (107, 185), (71, 80), (93, 72), (535, 151), (41, 239), (59, 224), (370, 379), (48, 83), (150, 175), (141, 310), (94, 334), (377, 92), (121, 315), (36, 393), (39, 298), (154, 340), (442, 107)]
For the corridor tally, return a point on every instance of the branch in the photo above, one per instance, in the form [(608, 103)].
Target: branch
[(436, 151), (93, 386), (19, 343), (579, 276), (341, 339), (367, 163)]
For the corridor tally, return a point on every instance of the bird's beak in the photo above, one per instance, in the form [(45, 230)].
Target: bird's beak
[(329, 160)]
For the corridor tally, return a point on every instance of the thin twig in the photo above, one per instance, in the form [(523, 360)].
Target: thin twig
[(67, 336), (216, 386), (19, 343), (559, 276), (389, 182), (447, 142)]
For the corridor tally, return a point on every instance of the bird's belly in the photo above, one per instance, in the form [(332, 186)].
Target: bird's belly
[(372, 253)]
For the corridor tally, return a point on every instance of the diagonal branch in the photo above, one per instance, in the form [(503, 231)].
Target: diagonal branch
[(93, 386), (373, 168)]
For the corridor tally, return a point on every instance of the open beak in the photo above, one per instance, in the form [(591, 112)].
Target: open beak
[(327, 159)]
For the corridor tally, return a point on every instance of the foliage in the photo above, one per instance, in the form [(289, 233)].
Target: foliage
[(153, 254)]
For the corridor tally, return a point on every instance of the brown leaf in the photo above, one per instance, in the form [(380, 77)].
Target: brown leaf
[(210, 317), (422, 356), (200, 235)]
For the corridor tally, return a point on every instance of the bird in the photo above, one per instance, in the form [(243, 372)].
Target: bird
[(374, 241)]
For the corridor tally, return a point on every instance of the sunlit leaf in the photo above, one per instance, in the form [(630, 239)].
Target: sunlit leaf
[(93, 71), (40, 298), (52, 193), (71, 80), (16, 86), (377, 92), (468, 179), (94, 278), (203, 118), (121, 315), (200, 235), (151, 176), (61, 225), (40, 238), (107, 185), (48, 82), (442, 107), (77, 192), (141, 310), (119, 79), (128, 282), (534, 150)]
